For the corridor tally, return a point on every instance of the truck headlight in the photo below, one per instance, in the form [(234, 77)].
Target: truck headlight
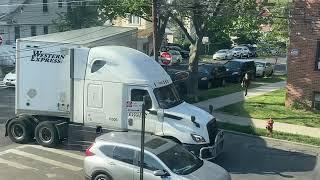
[(204, 79), (197, 138)]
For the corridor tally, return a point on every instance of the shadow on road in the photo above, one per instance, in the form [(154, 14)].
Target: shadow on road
[(249, 155)]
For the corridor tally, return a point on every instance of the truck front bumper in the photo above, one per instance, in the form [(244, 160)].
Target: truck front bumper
[(208, 151)]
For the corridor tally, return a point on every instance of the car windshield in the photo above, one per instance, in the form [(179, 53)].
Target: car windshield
[(204, 69), (180, 161), (174, 52), (167, 96), (260, 64), (237, 49), (13, 71), (232, 65)]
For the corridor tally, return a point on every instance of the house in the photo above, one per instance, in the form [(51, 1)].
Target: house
[(303, 84), (145, 29), (24, 18)]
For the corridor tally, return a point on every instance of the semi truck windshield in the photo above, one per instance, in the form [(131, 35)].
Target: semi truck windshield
[(167, 96)]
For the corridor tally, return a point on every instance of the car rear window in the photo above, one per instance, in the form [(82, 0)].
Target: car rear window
[(107, 150)]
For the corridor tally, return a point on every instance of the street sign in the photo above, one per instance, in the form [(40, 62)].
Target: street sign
[(205, 40), (1, 39)]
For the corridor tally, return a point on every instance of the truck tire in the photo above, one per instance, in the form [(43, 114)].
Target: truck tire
[(19, 132), (46, 134), (102, 176)]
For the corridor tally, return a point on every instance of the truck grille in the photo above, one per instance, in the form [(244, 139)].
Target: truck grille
[(212, 128)]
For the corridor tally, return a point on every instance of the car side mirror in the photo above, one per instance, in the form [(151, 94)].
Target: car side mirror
[(147, 102), (161, 173)]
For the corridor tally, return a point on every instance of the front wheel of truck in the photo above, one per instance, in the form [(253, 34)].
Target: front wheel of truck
[(46, 134)]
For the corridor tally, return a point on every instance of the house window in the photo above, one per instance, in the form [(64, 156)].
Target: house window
[(60, 3), (16, 32), (317, 100), (45, 5), (45, 29), (134, 20), (317, 63), (33, 30)]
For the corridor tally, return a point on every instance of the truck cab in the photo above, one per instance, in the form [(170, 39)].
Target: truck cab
[(111, 85), (94, 88)]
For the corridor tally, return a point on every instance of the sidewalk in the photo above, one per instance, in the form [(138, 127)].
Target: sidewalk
[(226, 100), (281, 127)]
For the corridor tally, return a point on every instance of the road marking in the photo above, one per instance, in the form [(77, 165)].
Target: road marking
[(45, 160), (57, 151), (16, 165)]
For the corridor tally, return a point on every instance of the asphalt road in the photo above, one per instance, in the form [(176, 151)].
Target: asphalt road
[(246, 158)]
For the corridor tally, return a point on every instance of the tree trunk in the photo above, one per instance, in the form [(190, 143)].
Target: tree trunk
[(195, 50)]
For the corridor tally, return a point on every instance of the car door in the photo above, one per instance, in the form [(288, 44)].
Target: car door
[(122, 165), (152, 124), (151, 164)]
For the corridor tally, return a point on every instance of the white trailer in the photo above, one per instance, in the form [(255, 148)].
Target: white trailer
[(73, 91)]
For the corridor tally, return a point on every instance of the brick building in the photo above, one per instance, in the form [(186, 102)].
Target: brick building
[(303, 85)]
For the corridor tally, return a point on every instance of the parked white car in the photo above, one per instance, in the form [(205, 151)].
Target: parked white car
[(241, 52), (223, 54), (264, 68), (116, 155), (10, 79), (170, 57)]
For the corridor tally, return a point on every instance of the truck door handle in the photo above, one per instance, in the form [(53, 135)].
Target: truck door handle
[(112, 163), (138, 171)]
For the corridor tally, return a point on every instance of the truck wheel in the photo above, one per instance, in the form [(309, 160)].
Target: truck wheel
[(19, 132), (46, 134), (101, 177)]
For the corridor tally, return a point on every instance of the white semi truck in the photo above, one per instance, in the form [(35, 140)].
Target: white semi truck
[(70, 91)]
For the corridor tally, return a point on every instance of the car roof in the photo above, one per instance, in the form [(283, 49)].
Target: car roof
[(153, 144), (241, 60), (260, 61)]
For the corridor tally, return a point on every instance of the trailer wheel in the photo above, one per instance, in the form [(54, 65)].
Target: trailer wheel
[(19, 132), (46, 134)]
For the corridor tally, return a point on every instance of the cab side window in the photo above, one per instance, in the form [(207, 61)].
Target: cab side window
[(98, 64), (137, 94), (123, 154)]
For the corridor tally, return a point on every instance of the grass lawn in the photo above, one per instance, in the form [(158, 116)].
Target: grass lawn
[(272, 79), (220, 91), (276, 134), (232, 88), (272, 105)]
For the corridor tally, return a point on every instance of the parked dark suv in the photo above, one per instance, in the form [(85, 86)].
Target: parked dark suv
[(211, 75), (237, 68)]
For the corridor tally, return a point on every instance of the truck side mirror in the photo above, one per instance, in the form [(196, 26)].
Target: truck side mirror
[(161, 173), (147, 102), (210, 109)]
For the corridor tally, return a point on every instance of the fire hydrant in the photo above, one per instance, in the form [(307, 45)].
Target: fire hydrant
[(269, 126)]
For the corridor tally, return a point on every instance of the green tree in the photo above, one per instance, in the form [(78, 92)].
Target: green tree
[(278, 19), (112, 9), (79, 15), (200, 12)]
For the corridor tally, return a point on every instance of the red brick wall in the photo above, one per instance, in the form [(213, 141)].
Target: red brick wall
[(303, 79)]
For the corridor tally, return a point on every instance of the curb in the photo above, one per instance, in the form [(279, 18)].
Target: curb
[(274, 139)]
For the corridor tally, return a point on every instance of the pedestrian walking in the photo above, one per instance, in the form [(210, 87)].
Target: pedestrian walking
[(246, 83)]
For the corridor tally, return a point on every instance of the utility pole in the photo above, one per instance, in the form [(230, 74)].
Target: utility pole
[(155, 22)]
